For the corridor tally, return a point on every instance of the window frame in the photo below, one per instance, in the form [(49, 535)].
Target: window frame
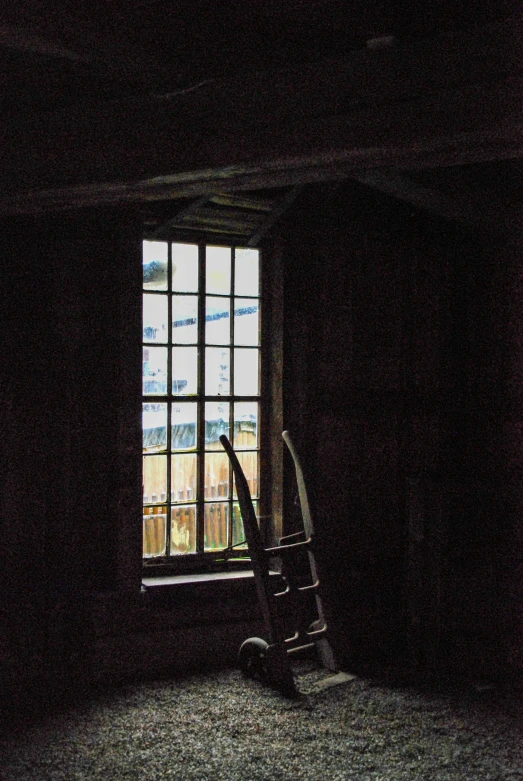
[(215, 561)]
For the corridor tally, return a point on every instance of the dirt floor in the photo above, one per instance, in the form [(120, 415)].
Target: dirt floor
[(222, 726)]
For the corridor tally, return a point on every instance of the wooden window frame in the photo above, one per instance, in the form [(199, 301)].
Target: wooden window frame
[(269, 400)]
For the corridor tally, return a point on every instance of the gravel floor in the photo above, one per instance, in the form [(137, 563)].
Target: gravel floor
[(223, 726)]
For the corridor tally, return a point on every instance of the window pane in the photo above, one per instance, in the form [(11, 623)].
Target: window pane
[(216, 522), (238, 532), (246, 424), (183, 529), (216, 475), (154, 368), (183, 426), (246, 375), (185, 370), (185, 268), (154, 479), (218, 270), (154, 256), (217, 371), (185, 319), (249, 463), (217, 320), (154, 531), (216, 424), (154, 427), (183, 477), (246, 272), (246, 321), (154, 318)]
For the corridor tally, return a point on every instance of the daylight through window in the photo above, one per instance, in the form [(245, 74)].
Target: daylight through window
[(201, 379)]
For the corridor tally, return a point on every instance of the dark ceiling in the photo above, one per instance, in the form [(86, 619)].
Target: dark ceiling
[(56, 54)]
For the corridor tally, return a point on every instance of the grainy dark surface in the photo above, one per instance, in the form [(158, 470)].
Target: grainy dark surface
[(223, 726)]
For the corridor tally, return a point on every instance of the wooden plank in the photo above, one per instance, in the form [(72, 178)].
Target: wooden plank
[(212, 228), (232, 216), (240, 216), (239, 202), (163, 229), (196, 235)]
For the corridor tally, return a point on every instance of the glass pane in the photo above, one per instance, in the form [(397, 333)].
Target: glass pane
[(216, 476), (185, 370), (155, 318), (154, 531), (183, 529), (154, 254), (218, 270), (246, 377), (154, 427), (246, 321), (154, 479), (217, 320), (249, 463), (216, 522), (217, 371), (183, 478), (154, 368), (185, 268), (246, 272), (245, 424), (183, 426), (185, 319), (216, 424), (238, 532)]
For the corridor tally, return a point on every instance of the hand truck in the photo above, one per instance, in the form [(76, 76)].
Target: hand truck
[(268, 658)]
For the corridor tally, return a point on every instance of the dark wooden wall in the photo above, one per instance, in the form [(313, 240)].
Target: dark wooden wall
[(70, 388), (403, 386)]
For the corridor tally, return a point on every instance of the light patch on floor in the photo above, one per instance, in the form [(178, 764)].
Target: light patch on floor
[(334, 680)]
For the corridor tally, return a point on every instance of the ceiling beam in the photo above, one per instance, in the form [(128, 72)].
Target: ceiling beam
[(317, 123), (324, 150)]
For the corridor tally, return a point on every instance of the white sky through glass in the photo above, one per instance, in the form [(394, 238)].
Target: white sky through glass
[(185, 268), (246, 274)]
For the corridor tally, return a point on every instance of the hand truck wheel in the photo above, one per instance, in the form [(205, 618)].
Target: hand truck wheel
[(252, 657)]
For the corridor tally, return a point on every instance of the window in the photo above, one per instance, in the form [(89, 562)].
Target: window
[(201, 379)]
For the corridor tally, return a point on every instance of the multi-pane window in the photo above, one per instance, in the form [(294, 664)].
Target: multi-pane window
[(201, 379)]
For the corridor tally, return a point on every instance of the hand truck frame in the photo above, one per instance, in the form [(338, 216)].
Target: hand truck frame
[(268, 658)]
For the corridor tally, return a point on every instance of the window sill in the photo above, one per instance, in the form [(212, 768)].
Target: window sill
[(161, 581), (226, 590)]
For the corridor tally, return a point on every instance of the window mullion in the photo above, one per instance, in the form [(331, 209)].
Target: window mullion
[(200, 531), (231, 391), (168, 497)]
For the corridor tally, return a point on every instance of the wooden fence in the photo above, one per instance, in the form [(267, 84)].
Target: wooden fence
[(220, 514)]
